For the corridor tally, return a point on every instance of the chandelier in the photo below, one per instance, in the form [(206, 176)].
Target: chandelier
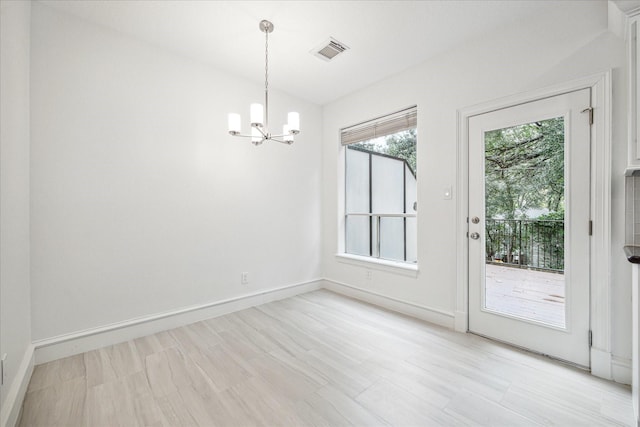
[(259, 115)]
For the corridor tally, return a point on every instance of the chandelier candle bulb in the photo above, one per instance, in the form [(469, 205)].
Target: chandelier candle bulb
[(257, 114), (234, 123), (294, 122)]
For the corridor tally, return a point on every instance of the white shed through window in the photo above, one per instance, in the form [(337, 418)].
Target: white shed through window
[(381, 187)]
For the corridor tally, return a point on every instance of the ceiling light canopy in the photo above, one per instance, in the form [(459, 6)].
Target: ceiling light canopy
[(259, 114)]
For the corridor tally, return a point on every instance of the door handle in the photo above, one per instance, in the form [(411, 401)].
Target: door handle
[(474, 235)]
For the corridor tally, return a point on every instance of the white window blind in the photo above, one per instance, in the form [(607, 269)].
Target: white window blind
[(392, 123)]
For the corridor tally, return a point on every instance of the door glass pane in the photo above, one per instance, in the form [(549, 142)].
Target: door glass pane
[(524, 221)]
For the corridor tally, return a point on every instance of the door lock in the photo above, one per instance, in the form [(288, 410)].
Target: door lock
[(475, 220), (474, 235)]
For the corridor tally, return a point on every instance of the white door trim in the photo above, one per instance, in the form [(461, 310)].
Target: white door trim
[(600, 258)]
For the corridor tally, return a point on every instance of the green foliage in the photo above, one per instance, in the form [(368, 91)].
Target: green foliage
[(524, 169), (401, 145), (553, 216)]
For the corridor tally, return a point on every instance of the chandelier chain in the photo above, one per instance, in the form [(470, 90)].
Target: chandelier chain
[(266, 61), (266, 80)]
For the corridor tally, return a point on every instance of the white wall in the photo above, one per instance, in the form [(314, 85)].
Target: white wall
[(521, 56), (15, 317), (141, 201)]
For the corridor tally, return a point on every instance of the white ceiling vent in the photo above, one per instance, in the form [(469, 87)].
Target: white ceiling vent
[(329, 49)]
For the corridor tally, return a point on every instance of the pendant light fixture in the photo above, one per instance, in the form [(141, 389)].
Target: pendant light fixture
[(259, 114)]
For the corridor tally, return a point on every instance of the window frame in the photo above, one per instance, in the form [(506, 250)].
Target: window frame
[(390, 124)]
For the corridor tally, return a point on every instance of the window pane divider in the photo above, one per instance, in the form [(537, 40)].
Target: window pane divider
[(383, 215)]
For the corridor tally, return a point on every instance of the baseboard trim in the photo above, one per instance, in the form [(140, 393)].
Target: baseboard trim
[(621, 370), (438, 317), (610, 367), (66, 345), (17, 391), (601, 363), (461, 321)]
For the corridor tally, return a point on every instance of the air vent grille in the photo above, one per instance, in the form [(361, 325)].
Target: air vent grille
[(329, 49)]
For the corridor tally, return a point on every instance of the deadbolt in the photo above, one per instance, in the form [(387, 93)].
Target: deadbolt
[(475, 220), (474, 235)]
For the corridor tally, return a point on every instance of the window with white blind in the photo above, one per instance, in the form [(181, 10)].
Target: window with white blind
[(381, 187)]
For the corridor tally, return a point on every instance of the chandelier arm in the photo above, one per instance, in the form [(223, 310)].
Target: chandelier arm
[(286, 134)]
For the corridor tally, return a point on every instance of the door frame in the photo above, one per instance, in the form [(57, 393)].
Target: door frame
[(600, 210)]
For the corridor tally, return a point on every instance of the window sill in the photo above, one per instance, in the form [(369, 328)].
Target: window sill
[(405, 269)]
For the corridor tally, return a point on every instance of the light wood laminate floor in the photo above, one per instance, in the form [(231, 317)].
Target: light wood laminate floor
[(318, 359)]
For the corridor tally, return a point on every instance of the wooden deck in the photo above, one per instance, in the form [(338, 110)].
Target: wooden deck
[(534, 295)]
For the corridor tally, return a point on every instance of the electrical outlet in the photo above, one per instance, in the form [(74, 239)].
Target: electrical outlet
[(369, 274), (244, 278)]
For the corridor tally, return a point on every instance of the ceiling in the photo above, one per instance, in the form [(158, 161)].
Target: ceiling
[(384, 37)]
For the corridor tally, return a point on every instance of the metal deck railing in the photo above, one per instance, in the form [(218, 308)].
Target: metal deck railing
[(526, 243)]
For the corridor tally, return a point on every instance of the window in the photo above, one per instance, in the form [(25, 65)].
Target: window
[(381, 187)]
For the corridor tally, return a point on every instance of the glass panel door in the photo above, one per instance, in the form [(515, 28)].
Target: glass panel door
[(529, 211)]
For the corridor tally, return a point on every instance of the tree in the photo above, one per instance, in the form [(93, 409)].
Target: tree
[(524, 168), (403, 145)]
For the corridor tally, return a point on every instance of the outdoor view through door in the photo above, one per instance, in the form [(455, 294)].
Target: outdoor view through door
[(529, 215), (524, 221)]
